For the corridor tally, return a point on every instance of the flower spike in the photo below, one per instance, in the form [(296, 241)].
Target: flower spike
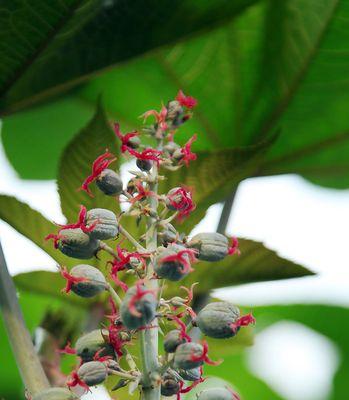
[(100, 164)]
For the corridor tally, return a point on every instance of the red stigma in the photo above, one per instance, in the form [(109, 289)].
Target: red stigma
[(182, 328), (186, 101), (56, 239), (142, 193), (181, 258), (81, 222), (159, 116), (204, 356), (76, 381), (147, 154), (234, 247), (99, 165), (71, 280), (124, 138), (185, 204), (245, 320), (67, 349), (187, 153), (140, 293)]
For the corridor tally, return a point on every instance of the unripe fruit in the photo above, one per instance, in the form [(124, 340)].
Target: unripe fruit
[(187, 356), (134, 142), (169, 384), (218, 393), (89, 344), (168, 235), (215, 320), (145, 306), (93, 373), (171, 147), (190, 374), (94, 284), (77, 244), (175, 114), (56, 394), (106, 223), (174, 199), (172, 270), (172, 340), (144, 165), (211, 246), (109, 182)]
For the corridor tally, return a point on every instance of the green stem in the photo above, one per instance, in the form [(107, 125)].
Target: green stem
[(28, 363), (131, 239), (149, 337)]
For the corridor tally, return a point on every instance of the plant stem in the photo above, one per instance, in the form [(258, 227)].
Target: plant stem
[(28, 363), (149, 337), (131, 239)]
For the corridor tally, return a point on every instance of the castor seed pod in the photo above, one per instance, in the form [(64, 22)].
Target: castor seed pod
[(89, 344), (77, 244), (175, 114), (168, 235), (105, 223), (93, 373), (55, 393), (221, 320), (172, 340), (134, 142), (190, 374), (109, 182), (144, 165), (173, 262), (218, 393), (138, 307), (188, 356), (169, 384), (94, 284), (211, 246)]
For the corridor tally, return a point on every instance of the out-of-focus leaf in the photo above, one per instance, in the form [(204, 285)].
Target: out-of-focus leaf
[(214, 175), (255, 264), (76, 163), (49, 50), (31, 224)]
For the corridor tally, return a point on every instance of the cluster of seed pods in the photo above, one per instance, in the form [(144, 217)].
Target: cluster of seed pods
[(135, 305)]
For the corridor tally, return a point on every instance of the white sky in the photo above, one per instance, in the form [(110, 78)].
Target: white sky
[(303, 222)]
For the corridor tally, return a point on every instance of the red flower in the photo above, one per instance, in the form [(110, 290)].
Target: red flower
[(186, 151), (182, 259), (182, 328), (186, 101), (81, 222), (75, 381), (142, 193), (67, 349), (140, 293), (204, 356), (159, 116), (100, 164), (56, 238), (124, 138), (234, 248), (245, 320), (71, 280), (181, 200), (147, 154)]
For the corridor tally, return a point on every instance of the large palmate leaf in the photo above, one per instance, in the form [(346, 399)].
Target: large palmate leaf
[(48, 49)]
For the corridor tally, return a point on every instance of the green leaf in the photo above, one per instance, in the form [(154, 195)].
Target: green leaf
[(255, 264), (62, 43), (75, 166), (31, 224)]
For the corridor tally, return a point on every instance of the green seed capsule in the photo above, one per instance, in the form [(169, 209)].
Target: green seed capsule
[(109, 182), (76, 244), (175, 114), (96, 281), (216, 394), (168, 235), (145, 306), (211, 246), (56, 394), (190, 374), (169, 384), (89, 344), (215, 320), (93, 373), (171, 147), (171, 270), (186, 354), (144, 165), (106, 223), (172, 340)]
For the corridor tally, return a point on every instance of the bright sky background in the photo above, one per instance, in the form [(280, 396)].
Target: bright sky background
[(301, 221)]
